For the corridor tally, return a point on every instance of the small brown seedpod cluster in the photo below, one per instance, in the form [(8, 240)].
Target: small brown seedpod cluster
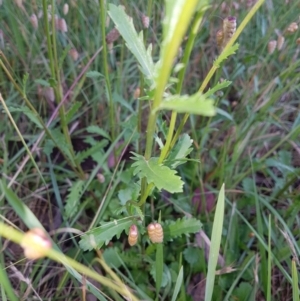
[(280, 42), (133, 235), (155, 232), (48, 93), (73, 53), (293, 27), (224, 35), (61, 25), (112, 36), (229, 28), (272, 46), (145, 21), (137, 93), (35, 243), (66, 8), (100, 178), (298, 41), (219, 38), (34, 21)]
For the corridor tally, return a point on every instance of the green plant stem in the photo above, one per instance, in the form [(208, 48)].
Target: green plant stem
[(187, 53), (18, 237), (102, 15), (215, 67), (56, 83), (32, 108)]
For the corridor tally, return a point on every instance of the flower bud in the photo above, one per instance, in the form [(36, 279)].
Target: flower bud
[(133, 235), (155, 232), (35, 243)]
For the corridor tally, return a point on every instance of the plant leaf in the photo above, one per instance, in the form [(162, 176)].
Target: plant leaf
[(134, 42), (94, 129), (194, 104), (215, 244), (130, 193), (94, 74), (173, 229), (59, 139), (217, 87), (26, 111), (96, 149), (72, 111), (180, 151), (225, 54), (161, 176), (178, 284), (73, 198), (97, 237)]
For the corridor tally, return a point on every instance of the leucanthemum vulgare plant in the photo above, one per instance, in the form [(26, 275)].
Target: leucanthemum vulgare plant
[(152, 172), (162, 85)]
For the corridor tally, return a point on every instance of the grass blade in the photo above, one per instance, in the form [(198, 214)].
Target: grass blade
[(178, 284), (215, 244), (295, 281)]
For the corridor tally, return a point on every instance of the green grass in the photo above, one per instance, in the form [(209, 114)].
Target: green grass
[(73, 155)]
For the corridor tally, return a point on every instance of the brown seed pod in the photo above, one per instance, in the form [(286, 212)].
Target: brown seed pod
[(229, 28), (34, 21), (219, 38), (112, 36), (272, 46), (155, 232), (145, 21), (280, 42), (35, 243), (293, 27), (133, 235)]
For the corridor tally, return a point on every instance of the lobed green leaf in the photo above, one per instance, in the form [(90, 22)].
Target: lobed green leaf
[(97, 237), (194, 104), (161, 176)]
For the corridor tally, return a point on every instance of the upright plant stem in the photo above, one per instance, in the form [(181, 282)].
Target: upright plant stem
[(55, 76), (102, 15), (214, 67), (188, 49)]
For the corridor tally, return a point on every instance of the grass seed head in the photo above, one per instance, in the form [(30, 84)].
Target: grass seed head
[(34, 21), (137, 93), (66, 8), (62, 25), (112, 36), (293, 27), (272, 46), (280, 42), (219, 38), (133, 235), (73, 53), (155, 232), (145, 21)]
